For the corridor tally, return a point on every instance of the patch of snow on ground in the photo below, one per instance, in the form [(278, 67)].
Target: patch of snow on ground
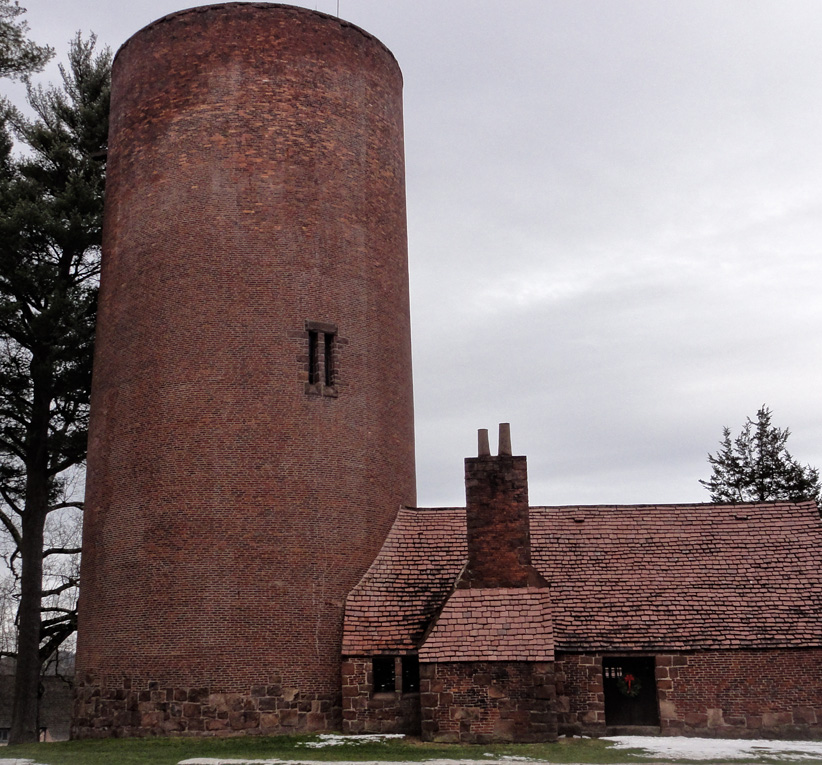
[(334, 739), (709, 748)]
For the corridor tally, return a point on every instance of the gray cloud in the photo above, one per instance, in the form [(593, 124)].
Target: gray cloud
[(614, 228)]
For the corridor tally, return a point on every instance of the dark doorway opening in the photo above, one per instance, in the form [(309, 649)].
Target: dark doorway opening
[(629, 683)]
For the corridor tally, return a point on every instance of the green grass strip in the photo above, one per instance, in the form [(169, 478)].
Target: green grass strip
[(170, 751)]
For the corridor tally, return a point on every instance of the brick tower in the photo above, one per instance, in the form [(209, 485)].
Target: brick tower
[(252, 428)]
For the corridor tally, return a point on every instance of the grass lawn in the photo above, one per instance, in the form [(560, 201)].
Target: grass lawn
[(169, 751)]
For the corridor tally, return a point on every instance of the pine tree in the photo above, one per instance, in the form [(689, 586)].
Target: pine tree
[(19, 56), (756, 466), (51, 203)]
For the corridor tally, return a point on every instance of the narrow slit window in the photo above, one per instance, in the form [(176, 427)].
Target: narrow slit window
[(313, 358), (410, 674), (329, 358), (320, 359)]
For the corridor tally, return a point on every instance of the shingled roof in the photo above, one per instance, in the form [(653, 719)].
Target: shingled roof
[(499, 624), (638, 577), (391, 607)]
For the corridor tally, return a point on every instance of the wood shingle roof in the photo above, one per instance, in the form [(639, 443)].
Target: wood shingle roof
[(500, 624), (637, 577)]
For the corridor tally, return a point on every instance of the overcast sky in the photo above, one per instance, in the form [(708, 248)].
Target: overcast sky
[(615, 226)]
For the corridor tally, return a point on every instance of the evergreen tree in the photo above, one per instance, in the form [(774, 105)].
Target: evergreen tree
[(756, 466), (51, 204), (19, 56)]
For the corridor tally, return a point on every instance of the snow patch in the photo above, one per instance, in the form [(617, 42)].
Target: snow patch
[(683, 747), (334, 739)]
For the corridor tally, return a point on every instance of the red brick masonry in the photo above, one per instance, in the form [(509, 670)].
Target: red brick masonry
[(733, 693), (255, 194)]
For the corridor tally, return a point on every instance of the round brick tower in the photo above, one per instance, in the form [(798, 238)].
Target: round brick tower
[(252, 435)]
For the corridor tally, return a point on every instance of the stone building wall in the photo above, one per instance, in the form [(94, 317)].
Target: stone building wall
[(484, 702), (580, 696), (128, 708), (364, 711), (732, 693)]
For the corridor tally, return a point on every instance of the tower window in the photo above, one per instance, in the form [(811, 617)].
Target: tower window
[(329, 358), (322, 364), (313, 358)]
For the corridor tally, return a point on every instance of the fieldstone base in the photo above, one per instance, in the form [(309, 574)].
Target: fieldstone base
[(150, 709), (486, 702)]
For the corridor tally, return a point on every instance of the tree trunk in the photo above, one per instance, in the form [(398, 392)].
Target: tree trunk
[(24, 718), (24, 727)]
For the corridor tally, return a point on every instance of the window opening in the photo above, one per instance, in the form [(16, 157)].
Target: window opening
[(322, 365), (329, 358), (313, 357), (384, 677), (410, 674)]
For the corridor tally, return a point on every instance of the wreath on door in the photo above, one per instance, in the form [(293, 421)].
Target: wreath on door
[(629, 686)]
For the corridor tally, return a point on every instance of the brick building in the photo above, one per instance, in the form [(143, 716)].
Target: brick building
[(504, 622), (251, 436), (252, 557)]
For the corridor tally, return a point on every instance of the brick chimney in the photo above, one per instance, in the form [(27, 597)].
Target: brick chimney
[(499, 538)]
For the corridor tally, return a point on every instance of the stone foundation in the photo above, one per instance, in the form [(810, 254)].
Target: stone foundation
[(484, 702), (149, 709)]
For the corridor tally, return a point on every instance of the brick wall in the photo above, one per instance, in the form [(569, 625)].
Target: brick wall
[(499, 542), (363, 711), (772, 693), (715, 693), (483, 702), (255, 189)]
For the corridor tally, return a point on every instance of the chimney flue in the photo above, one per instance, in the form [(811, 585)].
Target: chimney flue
[(497, 522), (484, 448), (505, 439)]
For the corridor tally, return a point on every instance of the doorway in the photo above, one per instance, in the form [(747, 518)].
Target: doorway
[(629, 683)]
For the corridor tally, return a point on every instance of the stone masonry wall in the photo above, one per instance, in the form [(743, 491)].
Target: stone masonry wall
[(580, 695), (484, 702), (364, 711), (149, 709), (714, 693)]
